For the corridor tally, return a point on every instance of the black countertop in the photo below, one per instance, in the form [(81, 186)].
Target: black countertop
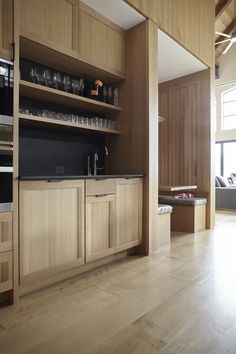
[(61, 178)]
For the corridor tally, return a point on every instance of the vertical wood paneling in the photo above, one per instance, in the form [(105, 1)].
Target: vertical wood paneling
[(189, 22), (185, 137)]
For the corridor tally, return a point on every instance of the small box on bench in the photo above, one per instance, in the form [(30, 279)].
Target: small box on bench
[(188, 215)]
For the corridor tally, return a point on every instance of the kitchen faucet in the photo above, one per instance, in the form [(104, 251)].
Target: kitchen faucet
[(95, 159)]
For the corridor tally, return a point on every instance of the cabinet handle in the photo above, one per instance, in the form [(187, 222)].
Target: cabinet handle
[(54, 180), (100, 195)]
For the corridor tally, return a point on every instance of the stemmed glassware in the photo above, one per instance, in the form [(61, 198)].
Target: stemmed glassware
[(46, 77), (34, 75), (81, 86), (66, 83), (56, 80), (75, 85)]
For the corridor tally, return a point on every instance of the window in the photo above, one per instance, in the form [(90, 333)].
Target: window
[(229, 109), (225, 158)]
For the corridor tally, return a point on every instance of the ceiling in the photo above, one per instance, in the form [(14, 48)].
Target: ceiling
[(224, 22), (174, 61), (118, 11)]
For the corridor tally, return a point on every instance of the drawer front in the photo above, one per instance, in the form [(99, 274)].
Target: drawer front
[(5, 232), (98, 187), (5, 271)]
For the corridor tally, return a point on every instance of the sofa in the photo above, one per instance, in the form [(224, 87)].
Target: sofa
[(225, 194)]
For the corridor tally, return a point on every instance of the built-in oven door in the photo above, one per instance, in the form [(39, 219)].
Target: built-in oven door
[(6, 131), (6, 180), (6, 88)]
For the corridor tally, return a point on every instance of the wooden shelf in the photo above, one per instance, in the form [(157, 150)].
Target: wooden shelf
[(71, 63), (47, 94), (30, 119)]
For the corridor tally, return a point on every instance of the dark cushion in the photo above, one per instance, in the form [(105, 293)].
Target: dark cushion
[(170, 199), (223, 181), (217, 183)]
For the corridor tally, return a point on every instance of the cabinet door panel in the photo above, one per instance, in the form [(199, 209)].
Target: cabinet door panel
[(99, 42), (6, 29), (53, 22), (99, 226), (128, 211), (51, 226), (5, 271), (5, 232)]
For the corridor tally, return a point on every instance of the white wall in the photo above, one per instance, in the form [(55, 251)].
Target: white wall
[(227, 80)]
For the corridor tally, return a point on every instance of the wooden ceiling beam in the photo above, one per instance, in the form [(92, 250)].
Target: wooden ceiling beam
[(229, 29), (221, 6)]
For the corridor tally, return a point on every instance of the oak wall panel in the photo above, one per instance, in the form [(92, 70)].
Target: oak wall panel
[(185, 137), (189, 22)]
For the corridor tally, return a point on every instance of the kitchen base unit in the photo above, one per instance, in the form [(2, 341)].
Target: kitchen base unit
[(72, 226), (51, 228)]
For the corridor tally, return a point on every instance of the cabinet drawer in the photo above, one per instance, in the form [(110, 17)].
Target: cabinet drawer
[(5, 271), (97, 187), (5, 232)]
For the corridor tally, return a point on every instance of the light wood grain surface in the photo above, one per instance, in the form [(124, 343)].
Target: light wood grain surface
[(53, 22), (180, 301), (191, 23), (6, 29), (186, 137), (176, 188)]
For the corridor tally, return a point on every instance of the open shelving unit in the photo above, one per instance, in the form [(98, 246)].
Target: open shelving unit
[(48, 94), (31, 119)]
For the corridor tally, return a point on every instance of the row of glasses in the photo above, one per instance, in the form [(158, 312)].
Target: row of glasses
[(97, 122), (57, 80)]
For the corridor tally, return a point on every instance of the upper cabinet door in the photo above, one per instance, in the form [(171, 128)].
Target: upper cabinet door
[(51, 22), (6, 29), (101, 42)]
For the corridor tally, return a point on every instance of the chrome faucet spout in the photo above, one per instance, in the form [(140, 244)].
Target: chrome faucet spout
[(95, 164)]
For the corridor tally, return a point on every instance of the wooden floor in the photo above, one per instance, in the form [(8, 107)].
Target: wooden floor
[(182, 300)]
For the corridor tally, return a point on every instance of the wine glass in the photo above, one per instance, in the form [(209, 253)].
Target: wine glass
[(66, 83), (75, 85), (47, 77), (34, 75), (82, 86), (56, 80)]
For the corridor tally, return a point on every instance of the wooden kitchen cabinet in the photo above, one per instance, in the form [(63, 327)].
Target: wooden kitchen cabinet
[(113, 216), (128, 212), (5, 271), (101, 42), (51, 22), (5, 231), (51, 227), (99, 226), (6, 29)]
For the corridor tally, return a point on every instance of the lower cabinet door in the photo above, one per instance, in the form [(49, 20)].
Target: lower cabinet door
[(5, 271), (5, 231), (51, 227), (99, 226), (129, 197)]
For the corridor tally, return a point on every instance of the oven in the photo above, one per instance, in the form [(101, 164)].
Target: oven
[(6, 88), (6, 180), (6, 135)]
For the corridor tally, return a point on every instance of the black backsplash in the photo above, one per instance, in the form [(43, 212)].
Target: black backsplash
[(45, 152)]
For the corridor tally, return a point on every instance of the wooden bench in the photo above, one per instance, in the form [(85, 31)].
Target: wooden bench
[(163, 227), (188, 215)]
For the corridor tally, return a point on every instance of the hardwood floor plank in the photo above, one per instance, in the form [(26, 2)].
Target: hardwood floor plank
[(180, 300)]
